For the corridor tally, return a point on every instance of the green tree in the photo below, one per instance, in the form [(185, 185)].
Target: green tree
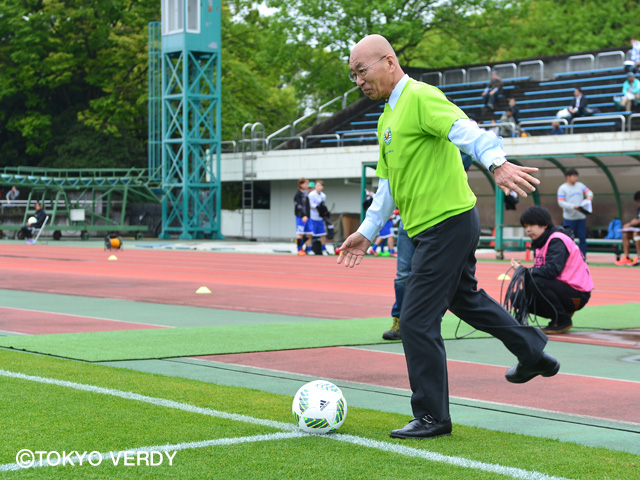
[(71, 70), (530, 28), (338, 24)]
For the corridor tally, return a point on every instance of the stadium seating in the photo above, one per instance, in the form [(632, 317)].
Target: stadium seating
[(538, 101)]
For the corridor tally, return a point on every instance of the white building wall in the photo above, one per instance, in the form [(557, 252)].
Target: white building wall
[(341, 169)]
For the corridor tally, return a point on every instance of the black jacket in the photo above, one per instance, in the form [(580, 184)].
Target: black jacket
[(40, 217), (581, 106), (301, 205), (557, 254)]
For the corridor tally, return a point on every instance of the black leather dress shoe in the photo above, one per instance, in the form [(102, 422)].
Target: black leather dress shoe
[(425, 427), (547, 366)]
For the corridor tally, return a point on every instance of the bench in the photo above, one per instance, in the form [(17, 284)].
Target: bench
[(594, 245), (604, 245), (517, 244), (589, 72), (85, 229)]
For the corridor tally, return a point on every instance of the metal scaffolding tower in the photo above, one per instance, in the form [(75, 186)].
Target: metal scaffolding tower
[(191, 116)]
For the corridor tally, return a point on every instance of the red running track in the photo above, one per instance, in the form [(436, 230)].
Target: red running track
[(607, 399), (278, 284), (33, 322)]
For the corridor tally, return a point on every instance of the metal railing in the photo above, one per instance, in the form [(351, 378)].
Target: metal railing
[(485, 69), (373, 133), (457, 71), (278, 132), (631, 117), (504, 66), (233, 143), (324, 135), (574, 58), (293, 137), (299, 120), (426, 75), (256, 139), (618, 53), (497, 125), (544, 122), (599, 117), (539, 63), (346, 94)]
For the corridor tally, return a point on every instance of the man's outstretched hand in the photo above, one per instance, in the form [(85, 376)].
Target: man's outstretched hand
[(353, 250), (510, 177)]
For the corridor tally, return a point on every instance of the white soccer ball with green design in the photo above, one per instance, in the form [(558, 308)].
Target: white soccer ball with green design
[(319, 407)]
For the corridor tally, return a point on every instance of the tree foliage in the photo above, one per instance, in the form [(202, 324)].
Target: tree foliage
[(73, 73), (71, 70)]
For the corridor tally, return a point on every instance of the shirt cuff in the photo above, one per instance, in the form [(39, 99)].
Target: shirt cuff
[(369, 229)]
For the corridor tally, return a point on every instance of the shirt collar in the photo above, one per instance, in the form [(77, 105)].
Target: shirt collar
[(397, 90)]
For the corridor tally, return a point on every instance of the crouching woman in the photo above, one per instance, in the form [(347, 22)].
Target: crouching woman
[(559, 283)]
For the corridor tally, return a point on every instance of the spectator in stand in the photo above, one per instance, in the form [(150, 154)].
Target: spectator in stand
[(493, 91), (495, 128), (508, 128), (631, 231), (578, 108), (514, 110), (634, 54), (572, 198), (630, 91), (556, 129)]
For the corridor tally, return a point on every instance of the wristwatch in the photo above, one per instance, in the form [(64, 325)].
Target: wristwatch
[(496, 164)]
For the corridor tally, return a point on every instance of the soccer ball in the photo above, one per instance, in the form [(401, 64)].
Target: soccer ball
[(32, 220), (319, 407)]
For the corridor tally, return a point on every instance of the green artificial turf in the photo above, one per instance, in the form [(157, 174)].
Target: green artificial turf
[(57, 418), (191, 341)]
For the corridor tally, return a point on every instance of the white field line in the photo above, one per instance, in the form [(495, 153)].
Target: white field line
[(161, 402), (438, 457), (94, 457), (289, 427)]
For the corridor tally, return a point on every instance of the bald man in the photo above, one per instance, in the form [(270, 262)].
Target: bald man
[(421, 172)]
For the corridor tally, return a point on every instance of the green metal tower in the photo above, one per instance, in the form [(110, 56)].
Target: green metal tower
[(155, 103), (191, 116)]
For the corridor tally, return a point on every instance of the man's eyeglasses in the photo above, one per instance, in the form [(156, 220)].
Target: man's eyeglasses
[(363, 71)]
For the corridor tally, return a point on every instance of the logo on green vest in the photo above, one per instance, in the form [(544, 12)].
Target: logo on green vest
[(387, 136)]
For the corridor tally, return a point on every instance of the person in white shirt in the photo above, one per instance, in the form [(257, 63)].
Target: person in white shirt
[(317, 199), (571, 198)]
